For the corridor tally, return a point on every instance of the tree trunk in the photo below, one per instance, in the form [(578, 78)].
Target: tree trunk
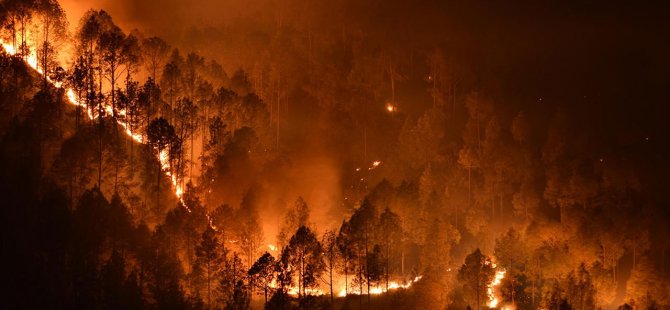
[(158, 184), (367, 268), (478, 285), (346, 286), (100, 153), (331, 281), (209, 301), (360, 283), (45, 50)]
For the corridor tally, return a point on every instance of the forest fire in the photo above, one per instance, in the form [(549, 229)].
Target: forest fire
[(381, 288), (350, 154), (72, 98), (491, 288)]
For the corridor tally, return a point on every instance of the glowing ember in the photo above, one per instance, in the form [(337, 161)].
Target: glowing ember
[(390, 107), (491, 287), (272, 247)]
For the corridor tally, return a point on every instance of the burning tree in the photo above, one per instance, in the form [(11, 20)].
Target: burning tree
[(155, 51), (476, 273), (304, 252), (54, 33), (261, 274), (295, 217), (346, 252), (161, 135), (363, 223), (329, 244), (511, 252), (391, 239), (207, 253)]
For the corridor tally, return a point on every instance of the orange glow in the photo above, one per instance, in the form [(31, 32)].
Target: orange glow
[(491, 287), (31, 60), (380, 289), (375, 164), (374, 290)]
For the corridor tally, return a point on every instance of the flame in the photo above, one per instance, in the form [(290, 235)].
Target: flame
[(380, 289), (293, 290), (8, 48), (390, 107), (31, 60), (375, 290), (491, 287), (272, 247), (375, 164)]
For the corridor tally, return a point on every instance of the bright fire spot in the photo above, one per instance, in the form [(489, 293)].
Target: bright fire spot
[(293, 291), (8, 48), (380, 289), (272, 247), (390, 107), (491, 287), (375, 164)]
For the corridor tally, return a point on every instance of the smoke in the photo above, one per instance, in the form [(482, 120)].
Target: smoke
[(169, 19), (563, 50)]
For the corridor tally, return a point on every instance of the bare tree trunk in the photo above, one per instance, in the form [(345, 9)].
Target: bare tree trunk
[(388, 246), (158, 184), (331, 281), (360, 283), (346, 273), (209, 301), (367, 268), (277, 113), (478, 285)]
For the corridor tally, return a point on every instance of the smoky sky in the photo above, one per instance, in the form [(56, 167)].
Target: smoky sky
[(166, 18), (536, 45), (606, 62)]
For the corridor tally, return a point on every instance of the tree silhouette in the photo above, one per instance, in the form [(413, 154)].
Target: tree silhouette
[(262, 272), (161, 135), (207, 253), (304, 251), (475, 274)]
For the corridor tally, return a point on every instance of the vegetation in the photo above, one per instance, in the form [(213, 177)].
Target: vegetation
[(325, 168)]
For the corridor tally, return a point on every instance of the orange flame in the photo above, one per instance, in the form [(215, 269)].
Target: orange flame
[(377, 290), (31, 60), (491, 287)]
